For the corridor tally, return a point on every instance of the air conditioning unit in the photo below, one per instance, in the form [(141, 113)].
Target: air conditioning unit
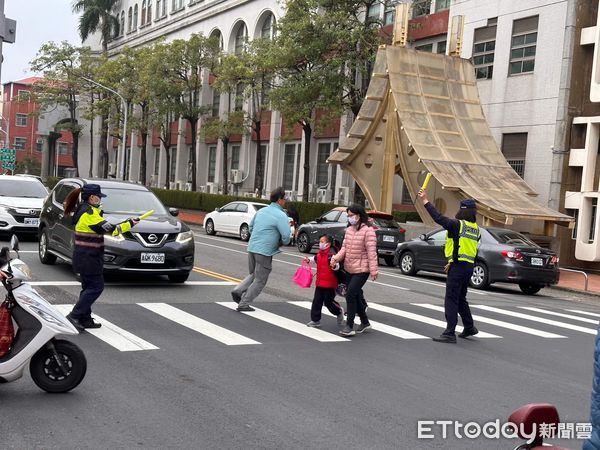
[(180, 185), (202, 189), (188, 186), (323, 195), (237, 176), (172, 185), (290, 195), (343, 197), (249, 194), (212, 188), (112, 169)]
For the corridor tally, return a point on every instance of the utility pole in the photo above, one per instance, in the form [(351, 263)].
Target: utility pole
[(8, 31)]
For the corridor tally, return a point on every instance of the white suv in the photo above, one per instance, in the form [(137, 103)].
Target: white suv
[(21, 200)]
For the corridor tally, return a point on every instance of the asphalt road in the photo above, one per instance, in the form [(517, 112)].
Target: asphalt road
[(179, 381)]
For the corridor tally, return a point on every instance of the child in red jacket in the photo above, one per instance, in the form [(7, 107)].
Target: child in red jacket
[(327, 282)]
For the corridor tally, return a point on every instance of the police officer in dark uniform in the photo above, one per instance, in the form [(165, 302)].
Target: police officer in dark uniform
[(88, 255), (460, 251)]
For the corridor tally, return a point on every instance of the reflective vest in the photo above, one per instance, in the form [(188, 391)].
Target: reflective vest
[(90, 227), (468, 238)]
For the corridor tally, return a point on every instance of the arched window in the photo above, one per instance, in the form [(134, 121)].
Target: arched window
[(129, 19), (143, 13), (149, 13), (267, 30), (122, 24), (135, 17), (158, 5), (218, 35), (240, 39)]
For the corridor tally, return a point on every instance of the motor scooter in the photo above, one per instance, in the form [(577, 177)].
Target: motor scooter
[(528, 418), (56, 365)]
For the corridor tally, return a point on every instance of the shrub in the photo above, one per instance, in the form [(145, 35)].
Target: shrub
[(52, 181), (407, 216)]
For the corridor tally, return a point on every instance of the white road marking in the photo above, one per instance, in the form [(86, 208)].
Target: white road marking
[(423, 319), (188, 283), (287, 324), (566, 316), (195, 323), (554, 323), (586, 313), (393, 331), (499, 323), (113, 335)]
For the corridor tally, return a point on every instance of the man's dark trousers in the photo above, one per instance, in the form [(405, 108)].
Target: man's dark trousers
[(456, 296), (92, 286)]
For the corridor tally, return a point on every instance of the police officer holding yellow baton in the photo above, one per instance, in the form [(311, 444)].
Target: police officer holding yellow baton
[(88, 255), (461, 250)]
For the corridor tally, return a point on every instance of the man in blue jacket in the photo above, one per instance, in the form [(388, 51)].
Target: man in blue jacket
[(593, 443), (269, 229)]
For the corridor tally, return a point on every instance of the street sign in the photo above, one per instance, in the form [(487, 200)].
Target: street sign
[(8, 158), (8, 166)]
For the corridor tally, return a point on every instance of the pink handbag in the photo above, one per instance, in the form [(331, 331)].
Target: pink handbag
[(304, 275)]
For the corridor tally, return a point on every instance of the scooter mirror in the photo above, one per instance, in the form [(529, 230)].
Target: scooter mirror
[(14, 243)]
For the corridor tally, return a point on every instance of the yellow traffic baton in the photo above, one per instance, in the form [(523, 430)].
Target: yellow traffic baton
[(146, 214), (426, 182)]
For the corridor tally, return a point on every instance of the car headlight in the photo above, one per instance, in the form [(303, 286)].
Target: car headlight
[(186, 236), (111, 238)]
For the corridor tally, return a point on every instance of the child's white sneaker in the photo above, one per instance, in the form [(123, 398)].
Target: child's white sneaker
[(313, 324)]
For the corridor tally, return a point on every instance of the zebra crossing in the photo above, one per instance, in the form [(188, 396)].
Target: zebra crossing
[(397, 321)]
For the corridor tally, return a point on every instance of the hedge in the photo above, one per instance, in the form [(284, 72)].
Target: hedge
[(208, 202), (52, 181)]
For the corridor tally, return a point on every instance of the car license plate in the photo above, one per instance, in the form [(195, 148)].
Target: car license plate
[(153, 258), (537, 262), (387, 238), (32, 221)]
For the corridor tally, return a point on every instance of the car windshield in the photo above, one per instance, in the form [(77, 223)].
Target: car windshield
[(385, 223), (127, 201), (23, 189), (509, 237)]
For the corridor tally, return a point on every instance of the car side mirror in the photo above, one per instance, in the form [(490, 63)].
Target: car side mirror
[(217, 209), (423, 237), (174, 212)]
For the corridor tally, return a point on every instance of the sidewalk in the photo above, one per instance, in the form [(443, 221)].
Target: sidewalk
[(568, 280)]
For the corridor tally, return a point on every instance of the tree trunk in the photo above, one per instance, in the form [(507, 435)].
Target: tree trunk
[(75, 155), (143, 161), (90, 171), (259, 169), (168, 171), (307, 129), (194, 124), (225, 142)]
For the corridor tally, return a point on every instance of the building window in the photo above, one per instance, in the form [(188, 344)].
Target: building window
[(514, 148), (374, 12), (135, 17), (173, 164), (122, 24), (129, 19), (39, 145), (593, 221), (268, 27), (421, 8), (212, 163), (483, 51), (63, 148), (323, 152), (23, 95), (177, 5), (523, 45), (441, 47), (240, 39), (406, 200), (21, 120), (442, 4), (425, 48), (149, 13), (289, 155), (216, 103), (20, 143), (239, 97), (156, 160), (390, 11), (235, 157), (575, 214), (189, 164), (143, 13)]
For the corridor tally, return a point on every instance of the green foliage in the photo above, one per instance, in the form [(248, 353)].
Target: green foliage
[(208, 202), (29, 165), (407, 216), (52, 181), (98, 15)]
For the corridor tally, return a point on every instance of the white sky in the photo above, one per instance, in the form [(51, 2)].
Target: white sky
[(38, 21)]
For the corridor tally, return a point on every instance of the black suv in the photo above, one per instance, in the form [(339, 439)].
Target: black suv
[(159, 245)]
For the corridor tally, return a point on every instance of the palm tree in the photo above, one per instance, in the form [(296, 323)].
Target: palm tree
[(97, 15)]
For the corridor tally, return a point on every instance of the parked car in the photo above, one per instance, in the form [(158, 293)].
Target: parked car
[(21, 200), (389, 232), (503, 256), (159, 245), (233, 218)]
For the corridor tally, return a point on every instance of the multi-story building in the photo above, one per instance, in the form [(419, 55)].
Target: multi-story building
[(24, 128)]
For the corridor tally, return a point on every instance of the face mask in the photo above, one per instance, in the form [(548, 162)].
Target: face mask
[(353, 220), (323, 246)]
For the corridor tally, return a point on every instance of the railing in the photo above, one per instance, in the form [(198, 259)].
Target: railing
[(585, 286)]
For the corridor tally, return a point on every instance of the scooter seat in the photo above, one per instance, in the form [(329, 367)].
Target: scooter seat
[(527, 416)]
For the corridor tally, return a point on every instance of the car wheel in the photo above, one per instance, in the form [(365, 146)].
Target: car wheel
[(407, 263), (244, 233), (530, 288), (389, 260), (179, 277), (45, 256), (209, 227), (303, 243), (480, 278)]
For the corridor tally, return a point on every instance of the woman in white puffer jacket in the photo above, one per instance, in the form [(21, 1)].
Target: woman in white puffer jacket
[(359, 254)]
